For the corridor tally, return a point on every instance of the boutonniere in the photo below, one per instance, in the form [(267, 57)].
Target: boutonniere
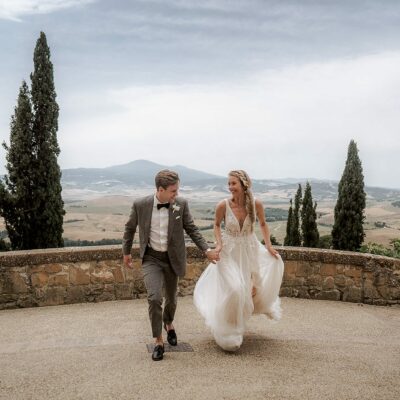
[(175, 207)]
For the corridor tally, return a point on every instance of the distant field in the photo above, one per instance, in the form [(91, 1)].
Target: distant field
[(105, 217)]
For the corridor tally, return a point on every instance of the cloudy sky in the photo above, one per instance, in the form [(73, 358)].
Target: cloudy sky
[(278, 88)]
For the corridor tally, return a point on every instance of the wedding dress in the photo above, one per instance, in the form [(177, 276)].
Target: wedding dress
[(223, 293)]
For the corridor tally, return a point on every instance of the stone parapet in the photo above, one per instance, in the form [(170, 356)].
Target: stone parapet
[(341, 275), (91, 274)]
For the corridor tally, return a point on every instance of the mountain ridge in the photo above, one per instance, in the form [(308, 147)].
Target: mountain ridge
[(140, 174)]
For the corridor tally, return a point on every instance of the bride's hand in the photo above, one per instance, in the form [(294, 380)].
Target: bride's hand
[(272, 251), (218, 248)]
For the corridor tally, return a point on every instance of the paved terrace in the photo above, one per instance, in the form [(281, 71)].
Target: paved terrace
[(320, 350)]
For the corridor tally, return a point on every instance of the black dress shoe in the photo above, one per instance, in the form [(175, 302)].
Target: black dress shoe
[(158, 353), (171, 336)]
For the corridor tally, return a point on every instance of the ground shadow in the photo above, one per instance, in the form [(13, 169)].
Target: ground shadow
[(253, 344)]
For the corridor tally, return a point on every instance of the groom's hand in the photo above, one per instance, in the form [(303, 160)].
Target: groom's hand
[(212, 256), (128, 261)]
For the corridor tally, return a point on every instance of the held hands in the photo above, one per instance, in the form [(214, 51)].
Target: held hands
[(272, 251), (128, 261), (212, 256)]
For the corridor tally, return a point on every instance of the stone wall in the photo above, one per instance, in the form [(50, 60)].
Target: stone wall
[(85, 274), (341, 275)]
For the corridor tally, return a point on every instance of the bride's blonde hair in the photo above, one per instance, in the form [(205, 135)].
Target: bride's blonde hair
[(245, 181)]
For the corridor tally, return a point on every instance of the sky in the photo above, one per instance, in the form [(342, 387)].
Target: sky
[(278, 88)]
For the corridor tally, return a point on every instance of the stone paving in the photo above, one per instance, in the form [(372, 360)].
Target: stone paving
[(319, 350)]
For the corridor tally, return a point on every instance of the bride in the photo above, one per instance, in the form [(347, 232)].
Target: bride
[(247, 277)]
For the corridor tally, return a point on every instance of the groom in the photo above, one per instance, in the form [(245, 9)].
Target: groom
[(162, 219)]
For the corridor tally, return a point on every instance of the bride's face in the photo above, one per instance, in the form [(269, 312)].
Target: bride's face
[(234, 185)]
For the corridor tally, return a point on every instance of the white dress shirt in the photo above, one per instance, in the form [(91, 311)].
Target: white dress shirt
[(159, 227)]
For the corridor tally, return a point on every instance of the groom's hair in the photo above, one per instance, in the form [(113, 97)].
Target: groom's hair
[(166, 178)]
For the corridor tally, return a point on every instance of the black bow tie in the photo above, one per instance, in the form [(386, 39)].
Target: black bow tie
[(166, 205)]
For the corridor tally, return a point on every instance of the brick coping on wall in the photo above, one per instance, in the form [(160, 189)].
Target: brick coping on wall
[(100, 253)]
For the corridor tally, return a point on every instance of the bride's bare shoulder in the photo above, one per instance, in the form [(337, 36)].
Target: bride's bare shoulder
[(220, 209), (221, 205), (258, 203)]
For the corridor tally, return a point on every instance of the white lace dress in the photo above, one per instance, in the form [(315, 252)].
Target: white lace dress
[(223, 292)]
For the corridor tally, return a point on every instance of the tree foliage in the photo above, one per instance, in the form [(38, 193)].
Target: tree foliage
[(309, 228), (348, 231), (379, 249), (288, 238), (295, 225), (30, 196), (17, 190)]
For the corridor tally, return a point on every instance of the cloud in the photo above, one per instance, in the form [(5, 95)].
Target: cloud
[(295, 121), (15, 9)]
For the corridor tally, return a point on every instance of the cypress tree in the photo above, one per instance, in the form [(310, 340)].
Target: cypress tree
[(295, 227), (348, 231), (48, 203), (30, 197), (16, 191), (309, 219), (288, 238)]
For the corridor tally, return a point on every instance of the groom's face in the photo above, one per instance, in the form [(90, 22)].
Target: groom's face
[(168, 195)]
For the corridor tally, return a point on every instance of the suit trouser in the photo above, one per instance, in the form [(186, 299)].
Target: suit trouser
[(158, 277)]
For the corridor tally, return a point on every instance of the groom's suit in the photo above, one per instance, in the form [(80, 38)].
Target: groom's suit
[(162, 269)]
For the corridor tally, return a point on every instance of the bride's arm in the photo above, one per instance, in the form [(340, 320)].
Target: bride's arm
[(264, 228), (219, 216)]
